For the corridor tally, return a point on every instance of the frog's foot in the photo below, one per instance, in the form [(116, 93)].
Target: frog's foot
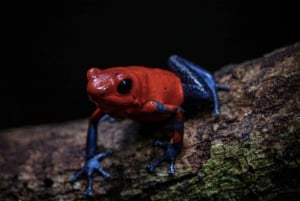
[(171, 151), (90, 166)]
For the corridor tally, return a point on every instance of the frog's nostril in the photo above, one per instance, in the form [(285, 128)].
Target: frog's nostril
[(92, 73)]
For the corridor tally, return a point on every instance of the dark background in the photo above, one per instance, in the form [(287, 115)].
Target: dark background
[(48, 46)]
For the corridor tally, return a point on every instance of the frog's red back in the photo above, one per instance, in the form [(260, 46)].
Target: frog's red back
[(158, 84)]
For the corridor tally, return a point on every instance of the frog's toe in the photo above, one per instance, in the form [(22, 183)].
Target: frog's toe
[(172, 168), (171, 152), (222, 87), (89, 192), (151, 167)]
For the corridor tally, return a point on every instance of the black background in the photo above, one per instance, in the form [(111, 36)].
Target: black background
[(48, 46)]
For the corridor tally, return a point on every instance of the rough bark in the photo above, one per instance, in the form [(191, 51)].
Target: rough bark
[(251, 152)]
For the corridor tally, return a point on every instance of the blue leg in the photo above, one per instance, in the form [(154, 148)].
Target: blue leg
[(172, 149), (192, 92), (92, 159), (198, 82), (91, 140)]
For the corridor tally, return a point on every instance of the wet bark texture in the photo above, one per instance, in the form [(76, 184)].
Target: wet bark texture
[(251, 152)]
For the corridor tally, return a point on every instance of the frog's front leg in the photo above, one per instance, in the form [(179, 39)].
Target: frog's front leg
[(92, 159), (198, 83), (173, 149)]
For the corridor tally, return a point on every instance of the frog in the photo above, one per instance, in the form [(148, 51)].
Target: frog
[(145, 94)]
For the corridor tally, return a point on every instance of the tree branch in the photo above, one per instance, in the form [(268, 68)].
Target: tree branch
[(251, 152)]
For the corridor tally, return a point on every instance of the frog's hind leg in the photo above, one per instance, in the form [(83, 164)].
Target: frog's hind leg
[(198, 83), (194, 92)]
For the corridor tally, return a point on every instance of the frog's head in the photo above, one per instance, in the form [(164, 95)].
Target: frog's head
[(113, 86)]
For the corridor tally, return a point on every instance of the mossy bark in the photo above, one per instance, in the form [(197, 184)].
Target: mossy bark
[(251, 152)]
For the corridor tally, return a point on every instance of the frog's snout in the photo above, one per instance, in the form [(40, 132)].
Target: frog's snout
[(98, 83), (93, 73)]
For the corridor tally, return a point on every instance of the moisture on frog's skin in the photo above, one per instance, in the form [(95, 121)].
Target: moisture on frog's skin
[(149, 95)]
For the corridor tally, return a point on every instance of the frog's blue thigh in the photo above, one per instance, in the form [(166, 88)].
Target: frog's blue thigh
[(194, 92), (199, 83), (182, 66)]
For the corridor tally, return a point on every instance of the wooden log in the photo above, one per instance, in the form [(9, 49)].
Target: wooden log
[(251, 152)]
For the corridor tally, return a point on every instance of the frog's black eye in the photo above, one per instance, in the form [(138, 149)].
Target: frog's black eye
[(125, 86)]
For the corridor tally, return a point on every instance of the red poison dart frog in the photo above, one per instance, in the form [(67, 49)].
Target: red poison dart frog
[(145, 94)]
